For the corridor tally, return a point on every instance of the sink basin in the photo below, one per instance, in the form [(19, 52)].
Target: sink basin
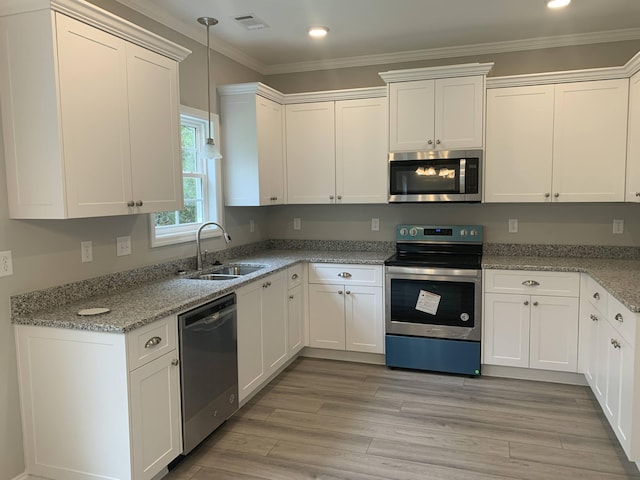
[(215, 276), (237, 270)]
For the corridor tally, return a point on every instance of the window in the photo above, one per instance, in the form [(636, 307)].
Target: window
[(201, 184)]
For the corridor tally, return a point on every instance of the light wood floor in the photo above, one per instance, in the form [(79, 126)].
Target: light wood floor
[(322, 419)]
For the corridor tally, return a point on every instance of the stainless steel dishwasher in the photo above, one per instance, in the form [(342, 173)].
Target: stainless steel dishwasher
[(209, 368)]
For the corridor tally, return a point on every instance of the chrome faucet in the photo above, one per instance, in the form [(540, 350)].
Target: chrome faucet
[(225, 235)]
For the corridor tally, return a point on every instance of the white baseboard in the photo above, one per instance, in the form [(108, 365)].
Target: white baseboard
[(374, 358), (533, 374)]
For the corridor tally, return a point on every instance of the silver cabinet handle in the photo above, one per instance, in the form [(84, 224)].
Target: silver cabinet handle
[(348, 292), (330, 197), (294, 276), (615, 343), (535, 304), (339, 292), (266, 285), (175, 362), (290, 297), (619, 318), (530, 283), (339, 197), (596, 296), (139, 203), (130, 203), (152, 342), (526, 302), (556, 194), (344, 275), (429, 142), (437, 142), (593, 317), (547, 195), (637, 194)]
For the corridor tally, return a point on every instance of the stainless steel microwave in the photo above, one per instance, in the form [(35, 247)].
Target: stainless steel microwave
[(435, 176)]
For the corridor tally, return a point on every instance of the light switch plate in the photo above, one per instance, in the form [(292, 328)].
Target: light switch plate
[(123, 246), (6, 264)]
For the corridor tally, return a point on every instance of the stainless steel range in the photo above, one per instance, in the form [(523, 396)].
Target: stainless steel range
[(434, 299)]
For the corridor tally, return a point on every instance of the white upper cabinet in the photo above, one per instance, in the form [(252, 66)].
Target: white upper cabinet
[(633, 141), (90, 119), (253, 146), (557, 143), (519, 144), (436, 108), (310, 140)]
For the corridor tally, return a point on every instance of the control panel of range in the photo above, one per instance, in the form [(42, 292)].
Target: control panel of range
[(439, 233)]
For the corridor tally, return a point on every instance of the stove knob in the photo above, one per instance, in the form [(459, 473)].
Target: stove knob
[(403, 232), (413, 232), (463, 233), (474, 233)]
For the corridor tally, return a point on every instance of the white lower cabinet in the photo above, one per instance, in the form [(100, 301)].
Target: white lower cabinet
[(296, 308), (609, 359), (522, 329), (97, 404), (346, 315), (262, 331)]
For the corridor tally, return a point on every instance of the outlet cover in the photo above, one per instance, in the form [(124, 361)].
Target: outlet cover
[(618, 226), (296, 224), (123, 246), (375, 224), (513, 225), (6, 264), (86, 251), (252, 226)]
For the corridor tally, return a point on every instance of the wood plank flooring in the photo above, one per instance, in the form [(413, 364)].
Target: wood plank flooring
[(322, 419)]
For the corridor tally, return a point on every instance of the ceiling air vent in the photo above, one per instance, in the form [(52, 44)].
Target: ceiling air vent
[(250, 21)]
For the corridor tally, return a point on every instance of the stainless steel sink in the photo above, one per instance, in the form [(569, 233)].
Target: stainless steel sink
[(237, 270), (215, 276)]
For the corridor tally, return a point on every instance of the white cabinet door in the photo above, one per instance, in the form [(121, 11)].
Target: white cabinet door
[(364, 321), (506, 329), (94, 116), (156, 169), (251, 368), (590, 327), (155, 415), (519, 144), (361, 151), (459, 114), (633, 141), (624, 426), (554, 333), (590, 118), (274, 321), (270, 118), (295, 317), (310, 140), (411, 118), (611, 405), (326, 316)]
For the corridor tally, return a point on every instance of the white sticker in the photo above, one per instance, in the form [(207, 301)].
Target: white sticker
[(428, 302)]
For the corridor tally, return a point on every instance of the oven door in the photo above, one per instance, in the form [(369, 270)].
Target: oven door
[(437, 303)]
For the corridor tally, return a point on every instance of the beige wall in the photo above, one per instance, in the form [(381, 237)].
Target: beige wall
[(47, 253)]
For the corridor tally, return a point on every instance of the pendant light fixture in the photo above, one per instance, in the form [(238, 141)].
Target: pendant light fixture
[(210, 149)]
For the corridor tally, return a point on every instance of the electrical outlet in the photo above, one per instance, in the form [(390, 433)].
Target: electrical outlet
[(86, 251), (513, 225), (618, 226), (375, 224), (252, 226), (6, 265), (123, 246), (296, 224)]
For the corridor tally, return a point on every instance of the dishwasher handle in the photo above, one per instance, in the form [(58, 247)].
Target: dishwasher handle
[(208, 320)]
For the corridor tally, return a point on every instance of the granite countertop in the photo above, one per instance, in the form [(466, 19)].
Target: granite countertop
[(137, 306), (620, 277)]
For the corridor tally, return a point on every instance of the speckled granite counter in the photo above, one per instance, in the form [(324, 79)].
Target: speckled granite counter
[(620, 277), (141, 304)]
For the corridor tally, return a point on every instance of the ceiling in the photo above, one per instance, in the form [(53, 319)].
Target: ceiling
[(383, 31)]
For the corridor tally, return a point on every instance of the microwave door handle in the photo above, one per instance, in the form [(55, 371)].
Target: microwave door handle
[(463, 167)]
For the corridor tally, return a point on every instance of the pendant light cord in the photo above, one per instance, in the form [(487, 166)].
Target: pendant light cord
[(209, 83)]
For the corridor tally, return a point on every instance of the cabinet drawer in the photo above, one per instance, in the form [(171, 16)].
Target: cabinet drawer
[(596, 295), (623, 321), (295, 276), (562, 284), (345, 274), (151, 341)]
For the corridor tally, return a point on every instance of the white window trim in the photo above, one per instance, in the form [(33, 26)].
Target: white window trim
[(215, 202)]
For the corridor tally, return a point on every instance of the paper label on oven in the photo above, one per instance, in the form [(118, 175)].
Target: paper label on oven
[(428, 302)]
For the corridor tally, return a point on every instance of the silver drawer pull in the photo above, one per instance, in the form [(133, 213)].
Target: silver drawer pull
[(530, 283), (152, 342), (294, 276), (344, 275), (175, 362), (619, 318), (615, 343), (593, 317), (339, 292), (596, 296)]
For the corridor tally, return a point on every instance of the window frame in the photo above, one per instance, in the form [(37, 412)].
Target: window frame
[(212, 186)]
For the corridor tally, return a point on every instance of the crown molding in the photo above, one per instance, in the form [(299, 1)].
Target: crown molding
[(257, 88), (254, 88), (91, 14), (633, 65), (463, 70)]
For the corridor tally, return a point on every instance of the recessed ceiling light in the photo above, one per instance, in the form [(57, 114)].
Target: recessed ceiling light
[(558, 3), (318, 32)]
